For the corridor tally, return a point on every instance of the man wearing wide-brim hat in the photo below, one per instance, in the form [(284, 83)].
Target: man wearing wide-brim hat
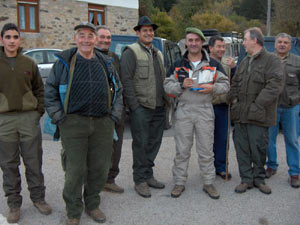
[(142, 75)]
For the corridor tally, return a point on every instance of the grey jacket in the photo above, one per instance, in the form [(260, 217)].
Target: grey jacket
[(290, 95), (57, 84), (255, 90)]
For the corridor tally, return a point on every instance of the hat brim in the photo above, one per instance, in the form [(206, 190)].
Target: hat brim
[(84, 26), (138, 27)]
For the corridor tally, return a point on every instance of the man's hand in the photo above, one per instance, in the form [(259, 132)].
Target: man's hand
[(229, 61), (188, 83), (207, 88)]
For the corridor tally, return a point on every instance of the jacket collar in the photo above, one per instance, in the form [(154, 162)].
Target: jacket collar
[(2, 53), (205, 55)]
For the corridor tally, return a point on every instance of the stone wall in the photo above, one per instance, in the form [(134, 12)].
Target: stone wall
[(59, 17)]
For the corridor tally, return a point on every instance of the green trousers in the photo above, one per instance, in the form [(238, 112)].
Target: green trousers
[(147, 127), (87, 145), (20, 135), (251, 143)]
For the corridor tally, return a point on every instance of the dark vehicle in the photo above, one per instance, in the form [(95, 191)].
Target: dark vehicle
[(170, 50), (269, 44), (44, 57)]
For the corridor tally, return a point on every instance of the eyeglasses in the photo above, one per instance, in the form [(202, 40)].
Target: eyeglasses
[(15, 37)]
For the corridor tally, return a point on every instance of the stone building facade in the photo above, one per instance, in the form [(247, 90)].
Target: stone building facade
[(57, 19)]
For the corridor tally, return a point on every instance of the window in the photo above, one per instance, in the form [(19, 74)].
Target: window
[(28, 15), (96, 14)]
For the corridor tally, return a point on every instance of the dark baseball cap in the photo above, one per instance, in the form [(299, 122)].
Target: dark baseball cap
[(86, 25)]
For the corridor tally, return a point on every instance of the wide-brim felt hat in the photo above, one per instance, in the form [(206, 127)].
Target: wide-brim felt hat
[(145, 21)]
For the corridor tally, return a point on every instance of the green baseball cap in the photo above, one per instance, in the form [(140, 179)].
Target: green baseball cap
[(195, 30)]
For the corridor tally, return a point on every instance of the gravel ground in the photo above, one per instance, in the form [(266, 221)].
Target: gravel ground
[(194, 207)]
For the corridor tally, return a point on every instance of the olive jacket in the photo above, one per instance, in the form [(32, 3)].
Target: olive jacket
[(255, 89)]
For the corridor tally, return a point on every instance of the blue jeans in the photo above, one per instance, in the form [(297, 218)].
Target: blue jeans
[(289, 119), (220, 136)]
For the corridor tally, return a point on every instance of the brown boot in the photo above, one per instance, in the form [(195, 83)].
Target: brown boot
[(177, 190), (72, 221), (113, 187), (43, 207), (211, 191), (143, 190), (96, 215), (295, 182), (264, 188), (242, 187), (13, 215), (270, 172), (152, 182)]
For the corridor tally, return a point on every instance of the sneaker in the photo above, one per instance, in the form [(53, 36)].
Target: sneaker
[(143, 190), (295, 182), (97, 215), (13, 215), (152, 182), (177, 190), (264, 188), (72, 221), (113, 187), (223, 175), (242, 187), (211, 191), (270, 172), (43, 207)]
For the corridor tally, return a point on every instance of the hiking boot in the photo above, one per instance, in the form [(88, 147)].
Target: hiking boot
[(264, 188), (72, 221), (295, 182), (177, 190), (13, 215), (43, 207), (223, 175), (270, 172), (152, 182), (113, 187), (143, 190), (242, 187), (211, 191), (97, 215)]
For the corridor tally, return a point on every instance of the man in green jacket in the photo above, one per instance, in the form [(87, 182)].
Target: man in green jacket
[(287, 112), (142, 75), (21, 107), (254, 93)]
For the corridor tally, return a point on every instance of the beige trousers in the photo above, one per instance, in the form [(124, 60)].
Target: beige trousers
[(192, 120)]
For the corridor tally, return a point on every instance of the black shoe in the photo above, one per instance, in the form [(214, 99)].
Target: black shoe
[(223, 175)]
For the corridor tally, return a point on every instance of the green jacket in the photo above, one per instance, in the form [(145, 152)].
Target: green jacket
[(255, 90), (290, 95), (21, 86)]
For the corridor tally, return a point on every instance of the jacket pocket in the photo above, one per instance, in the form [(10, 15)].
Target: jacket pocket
[(235, 111), (256, 113), (142, 69), (292, 79)]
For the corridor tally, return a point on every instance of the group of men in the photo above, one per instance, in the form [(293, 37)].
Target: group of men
[(85, 97)]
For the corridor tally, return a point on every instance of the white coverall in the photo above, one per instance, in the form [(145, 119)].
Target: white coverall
[(194, 115)]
